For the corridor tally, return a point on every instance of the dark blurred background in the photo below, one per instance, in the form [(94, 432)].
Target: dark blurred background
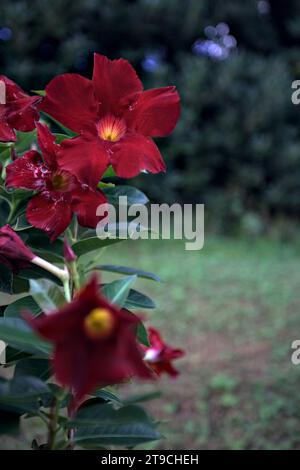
[(237, 145), (234, 306)]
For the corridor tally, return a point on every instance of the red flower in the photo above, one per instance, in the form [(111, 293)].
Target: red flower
[(18, 112), (159, 355), (95, 342), (59, 193), (115, 120), (13, 251)]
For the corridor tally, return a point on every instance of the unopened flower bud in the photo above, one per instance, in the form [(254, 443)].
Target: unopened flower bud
[(69, 254)]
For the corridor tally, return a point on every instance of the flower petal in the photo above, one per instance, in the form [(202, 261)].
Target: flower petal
[(135, 154), (155, 112), (7, 134), (115, 82), (23, 114), (70, 100), (86, 159), (26, 172), (50, 213), (85, 203), (20, 108), (47, 144), (66, 321)]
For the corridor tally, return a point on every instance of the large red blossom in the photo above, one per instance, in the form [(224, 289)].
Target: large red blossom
[(115, 120), (18, 112), (60, 194), (94, 342), (13, 251), (159, 355)]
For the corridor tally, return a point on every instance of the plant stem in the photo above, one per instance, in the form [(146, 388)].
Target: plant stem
[(52, 424), (75, 230), (67, 290), (75, 275), (62, 274)]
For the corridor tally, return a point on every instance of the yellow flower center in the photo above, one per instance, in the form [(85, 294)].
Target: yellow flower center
[(111, 128), (98, 323), (61, 181)]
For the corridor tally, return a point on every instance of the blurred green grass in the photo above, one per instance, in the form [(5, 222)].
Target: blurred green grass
[(234, 307)]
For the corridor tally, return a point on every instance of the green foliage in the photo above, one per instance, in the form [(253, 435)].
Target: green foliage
[(35, 290), (98, 425)]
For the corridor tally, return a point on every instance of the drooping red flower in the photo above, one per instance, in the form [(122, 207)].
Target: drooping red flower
[(159, 355), (18, 112), (115, 120), (13, 251), (94, 342), (60, 194)]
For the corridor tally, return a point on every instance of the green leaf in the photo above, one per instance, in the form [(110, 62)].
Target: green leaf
[(107, 396), (14, 355), (25, 140), (24, 393), (35, 272), (136, 299), (19, 335), (33, 367), (88, 261), (64, 129), (39, 92), (6, 279), (60, 137), (20, 285), (39, 243), (142, 334), (128, 271), (91, 244), (134, 195), (109, 173), (46, 294), (21, 223), (5, 195), (5, 154), (101, 424), (117, 291), (26, 303)]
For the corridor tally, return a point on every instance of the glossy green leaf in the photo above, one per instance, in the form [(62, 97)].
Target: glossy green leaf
[(136, 299), (25, 140), (107, 396), (109, 172), (91, 244), (17, 333), (46, 294), (117, 291), (26, 303), (6, 279), (101, 424), (21, 223), (24, 393), (128, 271), (142, 334), (134, 195), (39, 92), (60, 137), (33, 367)]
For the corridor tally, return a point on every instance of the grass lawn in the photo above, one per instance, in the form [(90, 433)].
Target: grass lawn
[(234, 307)]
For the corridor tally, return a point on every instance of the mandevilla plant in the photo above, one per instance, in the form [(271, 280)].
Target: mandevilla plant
[(70, 341)]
